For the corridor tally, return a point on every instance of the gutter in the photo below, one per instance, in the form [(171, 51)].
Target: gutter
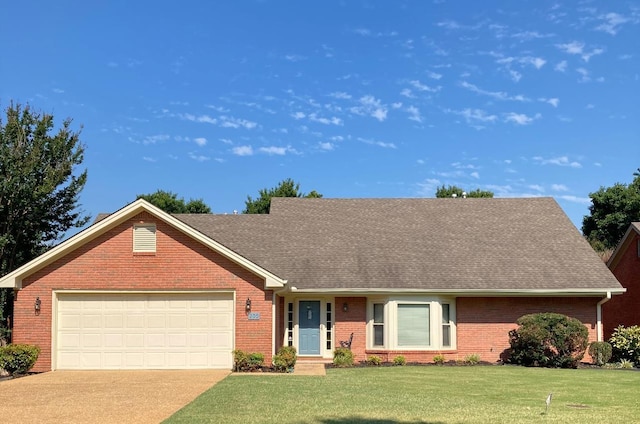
[(599, 315)]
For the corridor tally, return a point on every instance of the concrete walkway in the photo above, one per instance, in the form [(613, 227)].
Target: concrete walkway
[(102, 396)]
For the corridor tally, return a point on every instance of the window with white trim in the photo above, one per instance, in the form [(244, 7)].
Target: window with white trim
[(411, 323), (144, 237)]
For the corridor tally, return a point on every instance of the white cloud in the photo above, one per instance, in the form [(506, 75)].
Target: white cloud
[(406, 92), (202, 118), (428, 187), (231, 122), (396, 105), (199, 158), (520, 118), (298, 115), (326, 121), (340, 95), (294, 58), (414, 114), (576, 199), (371, 106), (498, 95), (200, 141), (472, 115), (149, 159), (423, 87), (584, 75), (561, 66), (611, 23), (434, 75), (377, 143), (153, 139), (276, 150), (559, 187), (226, 140), (242, 151), (559, 161), (530, 35), (578, 48), (327, 146), (553, 101), (536, 187), (475, 175)]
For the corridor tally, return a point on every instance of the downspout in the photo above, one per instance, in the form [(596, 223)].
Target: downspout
[(599, 315)]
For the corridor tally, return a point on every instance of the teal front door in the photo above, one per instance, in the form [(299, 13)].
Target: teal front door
[(309, 326)]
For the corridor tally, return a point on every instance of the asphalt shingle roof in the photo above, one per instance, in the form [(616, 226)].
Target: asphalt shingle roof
[(414, 244)]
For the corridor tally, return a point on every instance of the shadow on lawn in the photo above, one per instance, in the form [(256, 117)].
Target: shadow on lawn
[(361, 420)]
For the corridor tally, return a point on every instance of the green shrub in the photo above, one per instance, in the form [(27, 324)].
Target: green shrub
[(472, 359), (240, 360), (18, 358), (399, 361), (625, 343), (438, 359), (343, 357), (256, 361), (600, 352), (374, 360), (548, 340), (285, 359)]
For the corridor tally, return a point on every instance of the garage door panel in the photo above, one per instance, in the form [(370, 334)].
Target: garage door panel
[(137, 331)]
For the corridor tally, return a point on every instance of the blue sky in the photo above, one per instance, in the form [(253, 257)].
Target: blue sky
[(349, 98)]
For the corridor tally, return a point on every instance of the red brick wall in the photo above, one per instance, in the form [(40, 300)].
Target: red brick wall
[(353, 321), (108, 263), (483, 325), (624, 309)]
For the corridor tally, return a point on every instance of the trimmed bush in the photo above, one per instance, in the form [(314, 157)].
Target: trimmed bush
[(240, 360), (374, 360), (625, 343), (285, 359), (438, 359), (343, 357), (18, 358), (400, 361), (600, 352), (548, 340), (256, 361)]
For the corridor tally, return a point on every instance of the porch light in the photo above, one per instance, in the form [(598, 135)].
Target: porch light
[(247, 305), (345, 307), (36, 305)]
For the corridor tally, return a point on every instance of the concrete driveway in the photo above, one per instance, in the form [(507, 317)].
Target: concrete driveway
[(102, 396)]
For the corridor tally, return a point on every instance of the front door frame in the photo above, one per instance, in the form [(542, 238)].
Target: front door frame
[(324, 301)]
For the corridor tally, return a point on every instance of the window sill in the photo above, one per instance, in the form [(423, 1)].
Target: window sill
[(144, 253)]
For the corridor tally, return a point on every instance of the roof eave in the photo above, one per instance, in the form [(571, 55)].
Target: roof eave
[(469, 292)]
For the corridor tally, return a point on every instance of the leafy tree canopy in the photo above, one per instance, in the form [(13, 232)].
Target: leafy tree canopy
[(286, 188), (170, 203), (612, 210), (449, 191), (38, 188)]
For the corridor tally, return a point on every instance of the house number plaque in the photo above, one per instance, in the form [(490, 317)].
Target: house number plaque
[(254, 316)]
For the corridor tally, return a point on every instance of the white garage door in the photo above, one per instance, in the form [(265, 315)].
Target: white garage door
[(144, 331)]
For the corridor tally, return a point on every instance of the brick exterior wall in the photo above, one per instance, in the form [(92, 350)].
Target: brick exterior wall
[(483, 325), (624, 309), (108, 263)]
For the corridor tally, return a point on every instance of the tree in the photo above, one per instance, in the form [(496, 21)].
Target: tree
[(38, 189), (169, 202), (612, 210), (449, 191), (286, 188)]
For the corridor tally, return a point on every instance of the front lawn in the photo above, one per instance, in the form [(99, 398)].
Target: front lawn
[(427, 394)]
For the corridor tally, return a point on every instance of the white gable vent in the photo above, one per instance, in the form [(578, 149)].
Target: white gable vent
[(144, 238)]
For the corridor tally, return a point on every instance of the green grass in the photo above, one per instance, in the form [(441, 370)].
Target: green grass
[(483, 394)]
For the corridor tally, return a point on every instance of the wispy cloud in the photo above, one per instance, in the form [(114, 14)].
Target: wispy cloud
[(377, 143), (498, 95), (474, 115), (521, 118), (371, 106), (58, 90), (423, 87), (559, 161), (340, 95), (611, 23), (198, 118), (231, 122), (198, 158), (559, 187), (326, 146), (153, 139), (414, 114), (276, 150), (200, 141), (242, 151), (552, 101), (578, 48), (294, 58), (561, 66)]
